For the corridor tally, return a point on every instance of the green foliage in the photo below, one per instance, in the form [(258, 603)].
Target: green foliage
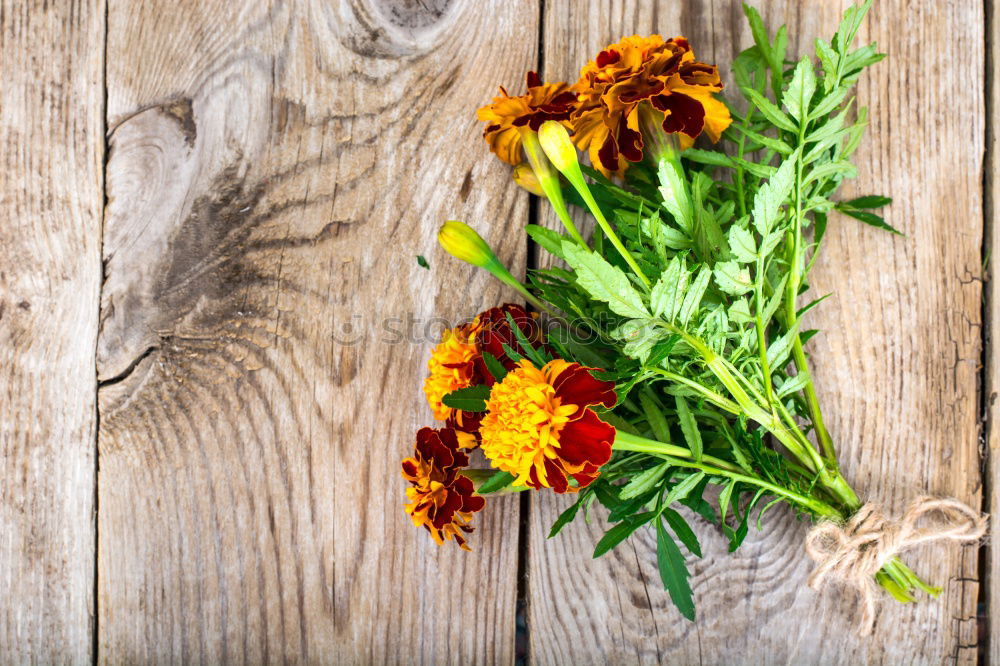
[(709, 359)]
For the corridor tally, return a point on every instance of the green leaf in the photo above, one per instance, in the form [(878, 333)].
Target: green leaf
[(547, 238), (674, 572), (471, 399), (733, 278), (422, 262), (533, 355), (828, 103), (710, 157), (725, 497), (757, 29), (621, 531), (683, 488), (498, 481), (494, 366), (694, 295), (828, 58), (682, 530), (664, 293), (644, 481), (770, 111), (657, 422), (778, 351), (660, 351), (689, 426), (800, 90), (777, 145), (794, 384), (870, 201), (772, 195), (774, 302), (870, 219), (604, 282), (566, 517), (742, 244)]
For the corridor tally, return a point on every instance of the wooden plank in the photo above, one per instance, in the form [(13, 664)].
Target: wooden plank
[(991, 184), (896, 366), (274, 171), (51, 193)]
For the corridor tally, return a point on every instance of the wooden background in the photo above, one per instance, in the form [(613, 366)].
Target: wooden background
[(213, 332)]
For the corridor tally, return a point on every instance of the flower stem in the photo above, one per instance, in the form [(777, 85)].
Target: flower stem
[(682, 458)]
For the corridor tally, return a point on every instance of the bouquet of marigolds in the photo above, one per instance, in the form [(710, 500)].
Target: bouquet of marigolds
[(660, 366)]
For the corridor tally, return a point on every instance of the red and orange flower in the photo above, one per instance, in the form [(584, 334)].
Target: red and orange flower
[(457, 361), (539, 427), (507, 116), (644, 79), (439, 498)]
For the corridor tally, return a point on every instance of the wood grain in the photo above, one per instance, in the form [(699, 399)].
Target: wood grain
[(51, 193), (896, 365), (991, 406), (274, 170)]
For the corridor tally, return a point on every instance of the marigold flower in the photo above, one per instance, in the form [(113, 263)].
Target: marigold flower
[(645, 71), (439, 498), (457, 362), (538, 426), (506, 115), (462, 242), (493, 331)]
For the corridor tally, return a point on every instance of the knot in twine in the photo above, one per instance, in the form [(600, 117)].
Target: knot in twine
[(855, 551)]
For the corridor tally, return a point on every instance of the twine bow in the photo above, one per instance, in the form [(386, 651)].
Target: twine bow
[(854, 552)]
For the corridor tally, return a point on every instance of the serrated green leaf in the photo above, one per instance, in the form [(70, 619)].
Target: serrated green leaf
[(772, 195), (777, 145), (739, 311), (793, 384), (604, 282), (683, 488), (683, 531), (770, 111), (657, 421), (828, 58), (733, 278), (757, 29), (498, 481), (778, 351), (689, 426), (800, 90), (471, 399), (674, 572), (710, 157), (621, 531), (664, 293), (660, 351), (547, 238), (694, 295), (644, 481), (829, 103), (742, 243)]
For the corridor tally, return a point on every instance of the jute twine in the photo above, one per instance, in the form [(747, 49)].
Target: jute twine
[(853, 552)]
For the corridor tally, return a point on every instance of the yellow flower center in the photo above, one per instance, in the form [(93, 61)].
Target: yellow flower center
[(457, 348), (524, 419)]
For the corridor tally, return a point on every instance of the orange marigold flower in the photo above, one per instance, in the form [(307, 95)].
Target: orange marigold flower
[(507, 115), (645, 73), (451, 367), (439, 498), (457, 361), (538, 426)]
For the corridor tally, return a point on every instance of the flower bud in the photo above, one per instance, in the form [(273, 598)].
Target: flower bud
[(462, 242), (557, 145), (524, 176)]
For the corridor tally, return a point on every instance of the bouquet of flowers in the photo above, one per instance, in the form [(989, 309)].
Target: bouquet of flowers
[(662, 364)]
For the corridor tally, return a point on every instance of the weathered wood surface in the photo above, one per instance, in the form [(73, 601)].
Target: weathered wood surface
[(272, 175), (51, 194), (991, 388), (261, 331), (897, 365)]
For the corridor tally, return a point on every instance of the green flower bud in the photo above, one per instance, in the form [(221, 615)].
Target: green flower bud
[(558, 147), (462, 242)]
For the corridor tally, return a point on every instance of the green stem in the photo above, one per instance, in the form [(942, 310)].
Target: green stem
[(576, 179), (682, 458)]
